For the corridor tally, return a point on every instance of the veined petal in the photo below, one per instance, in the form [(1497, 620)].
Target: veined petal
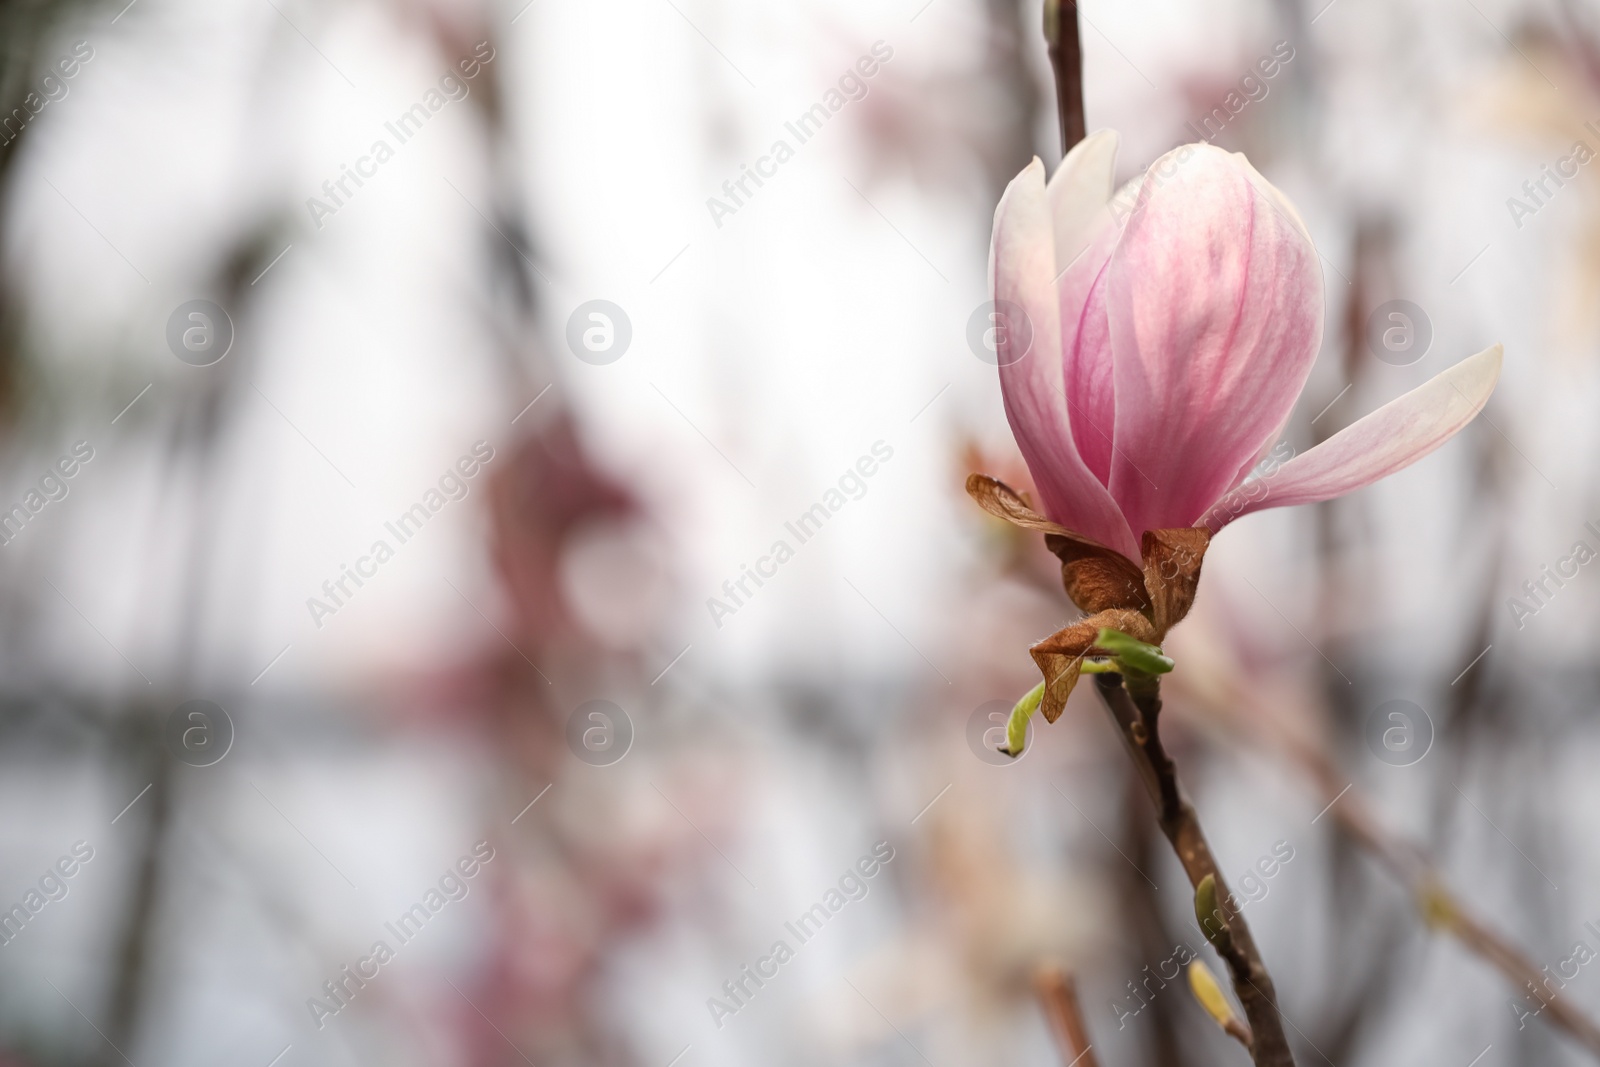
[(1022, 266), (1086, 230), (1254, 461), (1087, 363), (1390, 439), (1214, 300)]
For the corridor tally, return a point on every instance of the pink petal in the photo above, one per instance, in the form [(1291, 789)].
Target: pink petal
[(1022, 266), (1086, 231), (1215, 306), (1087, 366), (1390, 439), (1079, 191)]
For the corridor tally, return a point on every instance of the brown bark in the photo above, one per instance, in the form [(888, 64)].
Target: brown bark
[(1136, 711), (1066, 60)]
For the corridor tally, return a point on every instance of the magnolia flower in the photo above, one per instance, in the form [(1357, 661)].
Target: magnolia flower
[(1156, 342)]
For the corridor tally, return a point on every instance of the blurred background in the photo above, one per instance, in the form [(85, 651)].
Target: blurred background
[(402, 405)]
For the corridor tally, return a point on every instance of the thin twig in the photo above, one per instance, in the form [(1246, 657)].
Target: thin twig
[(1066, 60), (1137, 716), (1153, 935), (1058, 995), (1247, 716), (1442, 907)]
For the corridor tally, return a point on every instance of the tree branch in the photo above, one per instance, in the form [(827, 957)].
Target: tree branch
[(1066, 60), (1260, 725), (1136, 710), (1443, 909), (1058, 994)]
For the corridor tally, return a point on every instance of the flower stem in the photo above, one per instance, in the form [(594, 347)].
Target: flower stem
[(1136, 709), (1066, 60)]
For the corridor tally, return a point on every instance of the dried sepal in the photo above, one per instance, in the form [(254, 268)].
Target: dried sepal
[(1097, 578), (1060, 656), (1172, 560), (1004, 502), (1143, 600)]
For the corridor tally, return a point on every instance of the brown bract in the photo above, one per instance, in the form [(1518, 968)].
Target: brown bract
[(1143, 601)]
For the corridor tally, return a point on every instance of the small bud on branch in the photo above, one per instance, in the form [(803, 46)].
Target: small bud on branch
[(1203, 984)]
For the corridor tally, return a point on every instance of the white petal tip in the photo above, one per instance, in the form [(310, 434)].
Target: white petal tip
[(1481, 370)]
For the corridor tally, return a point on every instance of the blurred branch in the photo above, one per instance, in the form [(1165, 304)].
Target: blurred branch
[(1409, 864), (1058, 995), (1443, 909), (26, 28), (1014, 124), (1066, 60), (1150, 931), (1581, 40), (135, 949), (1136, 710), (1368, 950)]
